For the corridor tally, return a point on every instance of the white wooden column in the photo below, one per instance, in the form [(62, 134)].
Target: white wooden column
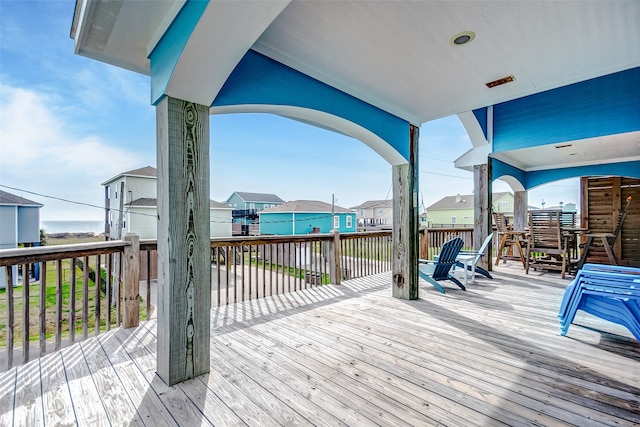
[(184, 267), (482, 210), (405, 223), (520, 210)]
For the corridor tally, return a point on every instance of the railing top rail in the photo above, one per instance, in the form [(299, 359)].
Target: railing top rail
[(52, 253), (258, 240), (365, 234)]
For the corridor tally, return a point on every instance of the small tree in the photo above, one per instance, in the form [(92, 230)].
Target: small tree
[(43, 238)]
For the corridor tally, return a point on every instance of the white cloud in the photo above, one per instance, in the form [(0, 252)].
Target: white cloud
[(41, 152)]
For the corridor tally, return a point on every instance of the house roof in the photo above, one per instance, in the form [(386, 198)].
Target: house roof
[(257, 197), (153, 202), (375, 204), (145, 172), (460, 201), (8, 199), (305, 206)]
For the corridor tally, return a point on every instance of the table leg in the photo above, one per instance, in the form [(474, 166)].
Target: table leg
[(585, 252), (607, 248)]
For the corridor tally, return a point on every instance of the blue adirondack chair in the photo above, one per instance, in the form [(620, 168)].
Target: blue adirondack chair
[(472, 265), (434, 271)]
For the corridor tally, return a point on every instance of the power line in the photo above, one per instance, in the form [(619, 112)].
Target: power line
[(444, 174), (321, 216)]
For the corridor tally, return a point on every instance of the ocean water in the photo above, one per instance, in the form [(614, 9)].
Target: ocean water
[(50, 227)]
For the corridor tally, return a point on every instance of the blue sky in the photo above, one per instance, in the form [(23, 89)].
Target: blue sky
[(68, 123)]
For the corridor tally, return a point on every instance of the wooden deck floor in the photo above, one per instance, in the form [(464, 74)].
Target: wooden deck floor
[(352, 355)]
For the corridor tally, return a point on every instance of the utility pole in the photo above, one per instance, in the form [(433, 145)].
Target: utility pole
[(333, 209)]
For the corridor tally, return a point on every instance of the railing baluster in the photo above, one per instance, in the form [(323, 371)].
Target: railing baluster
[(43, 309), (9, 270), (217, 257), (234, 264), (264, 270), (58, 304), (72, 300), (85, 298), (108, 290), (226, 273), (26, 286), (242, 266), (98, 283), (277, 268), (148, 296), (118, 262)]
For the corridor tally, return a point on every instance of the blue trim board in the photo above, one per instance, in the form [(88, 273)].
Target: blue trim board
[(500, 168), (627, 169), (481, 116), (259, 80), (533, 179), (601, 106), (166, 54)]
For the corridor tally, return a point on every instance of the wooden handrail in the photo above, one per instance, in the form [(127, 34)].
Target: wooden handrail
[(53, 253)]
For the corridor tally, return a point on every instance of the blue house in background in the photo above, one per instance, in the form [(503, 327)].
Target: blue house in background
[(304, 217), (19, 223)]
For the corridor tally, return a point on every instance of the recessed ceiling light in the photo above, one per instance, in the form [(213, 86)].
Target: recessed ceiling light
[(463, 37)]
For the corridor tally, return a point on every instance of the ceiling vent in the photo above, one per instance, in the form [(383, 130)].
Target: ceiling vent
[(501, 81)]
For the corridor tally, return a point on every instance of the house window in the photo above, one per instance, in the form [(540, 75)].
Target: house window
[(349, 222), (252, 206), (116, 194), (454, 220), (336, 221), (379, 211), (503, 203)]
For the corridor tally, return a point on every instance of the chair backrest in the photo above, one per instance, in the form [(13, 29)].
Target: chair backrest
[(447, 258), (545, 228), (568, 219), (484, 246), (501, 222)]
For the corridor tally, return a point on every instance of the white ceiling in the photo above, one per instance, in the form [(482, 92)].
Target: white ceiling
[(397, 55)]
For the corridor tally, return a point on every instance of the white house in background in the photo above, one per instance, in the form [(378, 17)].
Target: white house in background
[(131, 206), (374, 213), (141, 218), (19, 223)]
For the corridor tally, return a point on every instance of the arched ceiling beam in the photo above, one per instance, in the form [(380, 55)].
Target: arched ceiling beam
[(259, 83)]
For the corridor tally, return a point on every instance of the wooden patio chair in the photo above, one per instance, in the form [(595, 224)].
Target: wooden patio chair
[(434, 271), (471, 265), (547, 247), (509, 239), (604, 240)]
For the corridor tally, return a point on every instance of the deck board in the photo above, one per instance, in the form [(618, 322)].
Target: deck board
[(352, 355)]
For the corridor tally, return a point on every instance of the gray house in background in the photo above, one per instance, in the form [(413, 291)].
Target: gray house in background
[(245, 210), (19, 223)]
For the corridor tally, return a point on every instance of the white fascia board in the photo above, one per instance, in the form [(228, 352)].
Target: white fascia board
[(224, 33), (473, 157)]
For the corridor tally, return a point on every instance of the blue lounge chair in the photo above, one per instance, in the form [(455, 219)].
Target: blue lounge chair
[(472, 265), (434, 271), (609, 292)]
